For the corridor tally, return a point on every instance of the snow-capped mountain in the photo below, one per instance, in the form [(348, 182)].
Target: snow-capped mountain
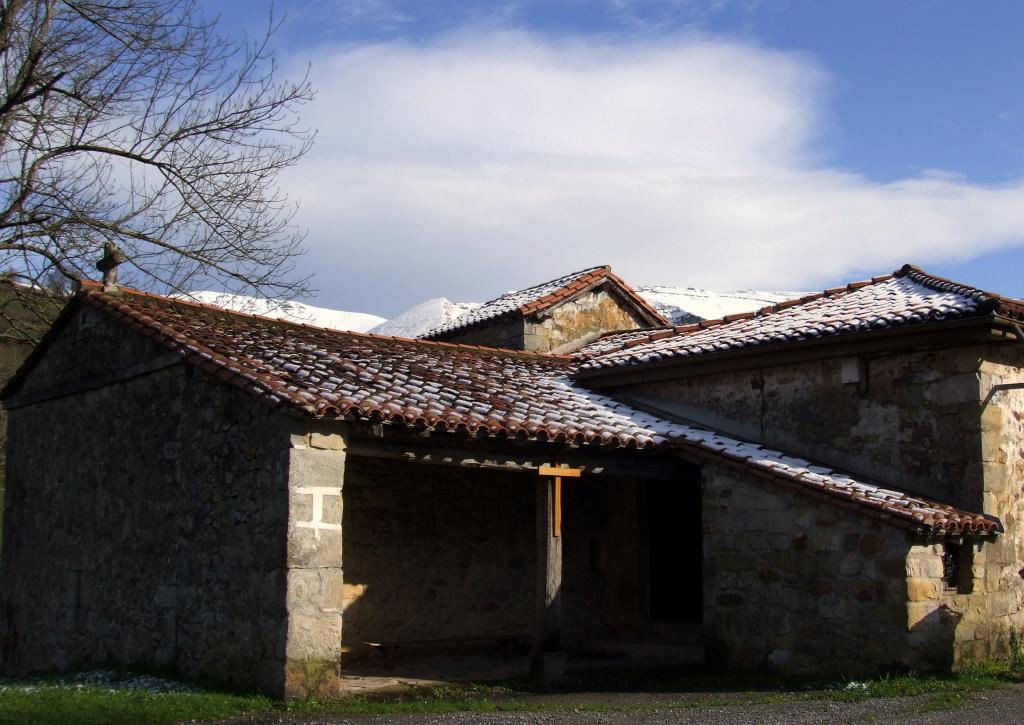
[(423, 317), (291, 311), (684, 305)]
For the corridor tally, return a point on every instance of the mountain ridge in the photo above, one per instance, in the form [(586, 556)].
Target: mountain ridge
[(681, 305)]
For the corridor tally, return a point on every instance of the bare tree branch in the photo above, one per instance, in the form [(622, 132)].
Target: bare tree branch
[(136, 122)]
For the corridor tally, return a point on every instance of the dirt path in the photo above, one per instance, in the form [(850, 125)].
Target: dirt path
[(994, 707)]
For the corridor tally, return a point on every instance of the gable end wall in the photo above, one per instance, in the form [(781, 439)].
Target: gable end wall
[(145, 519), (562, 329), (579, 321)]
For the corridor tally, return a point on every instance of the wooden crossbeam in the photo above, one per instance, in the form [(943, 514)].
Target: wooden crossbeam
[(558, 472)]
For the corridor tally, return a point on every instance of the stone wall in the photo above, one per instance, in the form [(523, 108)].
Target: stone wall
[(921, 421), (504, 332), (145, 518), (988, 611), (433, 552), (912, 419), (583, 319), (800, 584)]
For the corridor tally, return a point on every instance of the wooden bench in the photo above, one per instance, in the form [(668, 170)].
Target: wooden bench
[(507, 642)]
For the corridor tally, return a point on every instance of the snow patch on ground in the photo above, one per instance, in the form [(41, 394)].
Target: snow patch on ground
[(424, 317), (102, 680), (291, 311), (683, 305)]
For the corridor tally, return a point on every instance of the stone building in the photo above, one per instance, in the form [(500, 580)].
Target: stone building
[(828, 484), (558, 316)]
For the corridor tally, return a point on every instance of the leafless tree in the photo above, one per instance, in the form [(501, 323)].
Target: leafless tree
[(138, 122)]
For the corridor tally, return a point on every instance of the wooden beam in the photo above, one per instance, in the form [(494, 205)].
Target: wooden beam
[(558, 507), (448, 449), (548, 662), (558, 471)]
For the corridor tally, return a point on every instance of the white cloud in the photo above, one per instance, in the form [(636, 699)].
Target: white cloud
[(473, 163)]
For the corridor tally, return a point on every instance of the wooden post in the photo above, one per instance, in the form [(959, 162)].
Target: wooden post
[(548, 658)]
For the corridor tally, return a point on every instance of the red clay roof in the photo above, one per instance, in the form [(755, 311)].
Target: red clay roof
[(475, 390), (909, 296), (538, 298)]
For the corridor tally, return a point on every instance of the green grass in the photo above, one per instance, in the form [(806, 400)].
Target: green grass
[(48, 704), (945, 692), (53, 701)]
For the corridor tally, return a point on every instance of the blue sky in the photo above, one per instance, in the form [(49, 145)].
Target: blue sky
[(467, 148)]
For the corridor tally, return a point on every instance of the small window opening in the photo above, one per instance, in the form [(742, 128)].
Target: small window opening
[(957, 566)]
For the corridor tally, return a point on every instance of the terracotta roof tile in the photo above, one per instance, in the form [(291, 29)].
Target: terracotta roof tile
[(910, 296), (543, 296), (476, 390)]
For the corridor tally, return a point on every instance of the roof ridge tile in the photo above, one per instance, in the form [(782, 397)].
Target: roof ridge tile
[(96, 289)]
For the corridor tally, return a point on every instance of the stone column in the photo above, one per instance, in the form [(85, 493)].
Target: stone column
[(314, 563)]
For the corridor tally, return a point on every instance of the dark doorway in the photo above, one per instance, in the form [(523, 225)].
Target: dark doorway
[(675, 563)]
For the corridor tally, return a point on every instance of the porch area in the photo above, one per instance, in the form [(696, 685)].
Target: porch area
[(487, 565)]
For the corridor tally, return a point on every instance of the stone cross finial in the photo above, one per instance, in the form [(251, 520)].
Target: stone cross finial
[(112, 257)]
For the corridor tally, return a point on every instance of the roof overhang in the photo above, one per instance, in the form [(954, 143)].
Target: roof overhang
[(983, 329)]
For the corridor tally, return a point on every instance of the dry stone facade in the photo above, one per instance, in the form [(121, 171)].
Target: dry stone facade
[(154, 537), (925, 419), (560, 329), (798, 584), (157, 535), (435, 552), (910, 418), (988, 607)]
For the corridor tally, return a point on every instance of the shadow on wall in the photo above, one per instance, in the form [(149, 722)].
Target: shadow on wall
[(932, 637)]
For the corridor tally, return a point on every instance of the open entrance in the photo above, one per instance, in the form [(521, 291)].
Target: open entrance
[(675, 549)]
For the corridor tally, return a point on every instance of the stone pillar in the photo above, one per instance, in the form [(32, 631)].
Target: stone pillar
[(314, 563), (548, 662)]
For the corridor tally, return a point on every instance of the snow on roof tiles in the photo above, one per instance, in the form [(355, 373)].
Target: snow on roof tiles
[(541, 297), (477, 390), (612, 341), (910, 296)]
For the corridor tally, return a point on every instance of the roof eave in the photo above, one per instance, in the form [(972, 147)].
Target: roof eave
[(947, 333)]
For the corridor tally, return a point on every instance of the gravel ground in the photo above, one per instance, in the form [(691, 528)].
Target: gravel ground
[(994, 707)]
